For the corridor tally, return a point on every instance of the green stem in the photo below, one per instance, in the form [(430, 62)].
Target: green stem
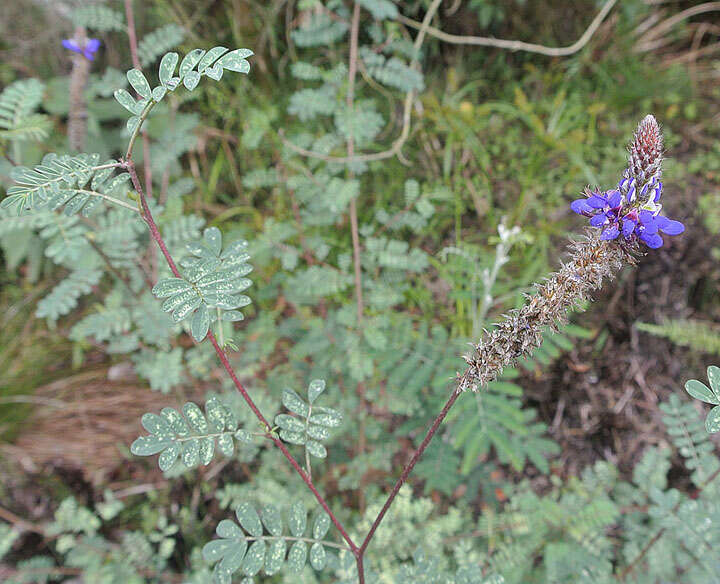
[(112, 200), (136, 132), (305, 539)]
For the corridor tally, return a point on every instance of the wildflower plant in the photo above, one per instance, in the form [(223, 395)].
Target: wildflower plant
[(202, 294)]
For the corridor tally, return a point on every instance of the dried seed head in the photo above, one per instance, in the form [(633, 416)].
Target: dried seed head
[(592, 261), (645, 152)]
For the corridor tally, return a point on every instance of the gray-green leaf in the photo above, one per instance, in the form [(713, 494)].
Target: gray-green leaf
[(318, 557), (316, 449), (167, 68), (712, 422), (297, 519), (700, 391), (249, 519), (254, 559), (293, 402), (200, 323), (297, 556), (316, 387), (139, 83)]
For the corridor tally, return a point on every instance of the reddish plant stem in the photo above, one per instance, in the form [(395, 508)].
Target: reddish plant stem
[(408, 469), (157, 237)]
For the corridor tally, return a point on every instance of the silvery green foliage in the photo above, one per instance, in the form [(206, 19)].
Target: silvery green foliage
[(64, 297), (73, 183), (159, 42), (99, 18), (209, 290), (307, 424), (18, 120), (709, 395), (261, 543), (163, 369), (192, 437), (198, 62)]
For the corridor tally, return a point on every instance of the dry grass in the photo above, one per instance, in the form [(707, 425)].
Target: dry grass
[(86, 421)]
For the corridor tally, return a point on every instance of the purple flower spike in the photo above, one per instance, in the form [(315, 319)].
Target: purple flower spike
[(632, 209), (88, 50)]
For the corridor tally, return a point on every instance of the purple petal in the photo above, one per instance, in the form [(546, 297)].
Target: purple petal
[(644, 191), (598, 220), (649, 222), (88, 55), (628, 227), (670, 226), (596, 202), (581, 207), (614, 199), (611, 232), (631, 194), (652, 240), (71, 45), (622, 182), (92, 45)]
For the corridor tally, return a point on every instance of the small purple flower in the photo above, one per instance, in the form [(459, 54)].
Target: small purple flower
[(88, 50), (629, 211)]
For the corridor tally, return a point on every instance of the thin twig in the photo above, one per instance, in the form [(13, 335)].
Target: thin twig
[(350, 101), (517, 45), (132, 38)]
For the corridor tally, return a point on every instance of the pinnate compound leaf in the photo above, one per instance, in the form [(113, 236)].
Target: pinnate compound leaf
[(191, 436)]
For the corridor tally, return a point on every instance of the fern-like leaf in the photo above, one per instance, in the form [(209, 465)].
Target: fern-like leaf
[(18, 101)]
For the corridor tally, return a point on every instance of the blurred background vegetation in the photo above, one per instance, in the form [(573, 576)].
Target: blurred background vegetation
[(498, 138)]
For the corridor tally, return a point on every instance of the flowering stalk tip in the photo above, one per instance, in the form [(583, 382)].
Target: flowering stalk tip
[(632, 210)]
